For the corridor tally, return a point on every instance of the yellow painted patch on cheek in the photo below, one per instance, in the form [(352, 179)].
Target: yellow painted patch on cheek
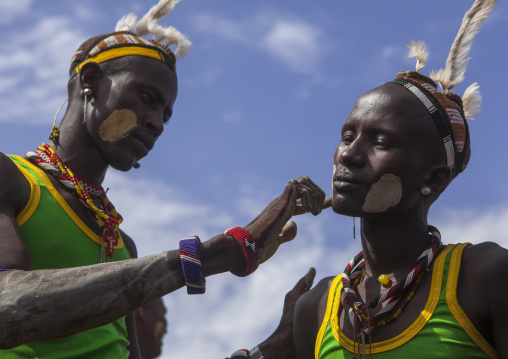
[(118, 125), (383, 194)]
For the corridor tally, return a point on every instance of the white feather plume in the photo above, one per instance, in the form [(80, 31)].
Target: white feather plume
[(126, 23), (456, 64), (157, 12), (472, 101), (148, 25), (418, 50)]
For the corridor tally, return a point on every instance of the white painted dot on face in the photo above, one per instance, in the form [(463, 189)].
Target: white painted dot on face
[(383, 194), (118, 125)]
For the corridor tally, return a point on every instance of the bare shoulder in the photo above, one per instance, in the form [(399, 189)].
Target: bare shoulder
[(309, 314), (14, 188), (14, 195), (485, 258)]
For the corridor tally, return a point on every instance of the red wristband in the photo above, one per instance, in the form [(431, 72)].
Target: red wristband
[(249, 247)]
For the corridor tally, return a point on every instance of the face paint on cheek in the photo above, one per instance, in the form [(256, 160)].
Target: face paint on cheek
[(160, 329), (118, 125), (383, 194)]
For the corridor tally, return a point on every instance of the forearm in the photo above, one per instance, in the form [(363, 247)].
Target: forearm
[(46, 304)]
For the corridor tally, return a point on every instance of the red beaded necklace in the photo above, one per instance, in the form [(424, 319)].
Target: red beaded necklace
[(107, 217)]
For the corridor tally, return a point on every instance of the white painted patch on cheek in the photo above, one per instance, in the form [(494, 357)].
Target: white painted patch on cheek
[(118, 125), (383, 194)]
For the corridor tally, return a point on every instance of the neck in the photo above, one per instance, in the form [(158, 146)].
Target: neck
[(78, 151), (393, 247)]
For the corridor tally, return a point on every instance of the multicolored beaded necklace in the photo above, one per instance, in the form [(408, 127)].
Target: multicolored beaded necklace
[(107, 217), (353, 303)]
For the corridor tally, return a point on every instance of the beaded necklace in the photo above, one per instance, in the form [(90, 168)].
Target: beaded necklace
[(107, 217), (353, 303)]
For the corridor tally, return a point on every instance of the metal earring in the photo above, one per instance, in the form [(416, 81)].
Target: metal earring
[(55, 132), (354, 227), (88, 92), (425, 191)]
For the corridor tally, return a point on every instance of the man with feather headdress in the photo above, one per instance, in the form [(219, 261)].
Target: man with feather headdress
[(406, 295), (67, 288)]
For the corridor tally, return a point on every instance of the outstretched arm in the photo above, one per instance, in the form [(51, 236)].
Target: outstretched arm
[(45, 304)]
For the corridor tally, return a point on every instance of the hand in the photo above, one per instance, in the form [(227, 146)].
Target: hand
[(280, 344), (271, 228)]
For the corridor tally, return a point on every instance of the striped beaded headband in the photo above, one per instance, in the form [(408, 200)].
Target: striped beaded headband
[(119, 44), (127, 40), (445, 117)]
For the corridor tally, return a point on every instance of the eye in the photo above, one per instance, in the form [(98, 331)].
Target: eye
[(382, 144), (147, 97), (347, 138)]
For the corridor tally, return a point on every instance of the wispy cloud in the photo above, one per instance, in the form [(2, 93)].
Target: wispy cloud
[(11, 9), (33, 67), (296, 43)]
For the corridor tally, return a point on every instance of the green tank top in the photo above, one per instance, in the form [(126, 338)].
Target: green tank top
[(57, 238), (441, 331)]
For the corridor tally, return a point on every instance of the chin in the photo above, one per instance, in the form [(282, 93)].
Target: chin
[(345, 208)]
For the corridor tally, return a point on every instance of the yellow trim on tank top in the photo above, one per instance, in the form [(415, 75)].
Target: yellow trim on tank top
[(414, 328), (67, 208), (35, 195), (456, 309), (329, 304)]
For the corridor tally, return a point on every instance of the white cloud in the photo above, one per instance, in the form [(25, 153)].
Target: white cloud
[(33, 66), (10, 9), (299, 45), (295, 43), (469, 225)]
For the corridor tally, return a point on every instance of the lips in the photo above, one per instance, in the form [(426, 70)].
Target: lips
[(143, 142), (344, 180)]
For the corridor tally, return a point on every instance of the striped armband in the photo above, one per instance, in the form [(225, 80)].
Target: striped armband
[(249, 247), (191, 265)]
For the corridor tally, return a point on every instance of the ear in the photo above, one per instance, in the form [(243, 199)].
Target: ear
[(89, 75), (440, 177)]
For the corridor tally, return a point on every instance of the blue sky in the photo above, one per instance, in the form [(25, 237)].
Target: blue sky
[(262, 97)]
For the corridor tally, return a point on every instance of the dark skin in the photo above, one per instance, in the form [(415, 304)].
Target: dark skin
[(145, 88), (389, 132)]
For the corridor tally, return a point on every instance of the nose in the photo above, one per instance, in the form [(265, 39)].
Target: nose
[(154, 123), (350, 155)]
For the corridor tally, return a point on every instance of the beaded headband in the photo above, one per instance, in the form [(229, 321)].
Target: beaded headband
[(449, 111), (127, 40)]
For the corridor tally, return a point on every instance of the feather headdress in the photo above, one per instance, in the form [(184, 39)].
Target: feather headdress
[(450, 112), (148, 25)]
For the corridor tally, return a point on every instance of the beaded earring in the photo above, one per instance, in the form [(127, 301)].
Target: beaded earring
[(88, 92), (55, 132)]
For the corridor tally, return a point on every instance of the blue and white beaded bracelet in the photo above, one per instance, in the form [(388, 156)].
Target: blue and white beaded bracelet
[(191, 265)]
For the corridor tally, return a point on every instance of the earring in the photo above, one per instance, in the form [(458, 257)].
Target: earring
[(88, 92), (55, 132), (425, 191), (354, 227)]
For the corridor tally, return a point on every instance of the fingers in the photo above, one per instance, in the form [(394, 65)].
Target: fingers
[(288, 232), (311, 198), (302, 286)]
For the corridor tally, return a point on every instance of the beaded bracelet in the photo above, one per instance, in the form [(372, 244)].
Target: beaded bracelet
[(191, 265), (249, 247), (254, 353)]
